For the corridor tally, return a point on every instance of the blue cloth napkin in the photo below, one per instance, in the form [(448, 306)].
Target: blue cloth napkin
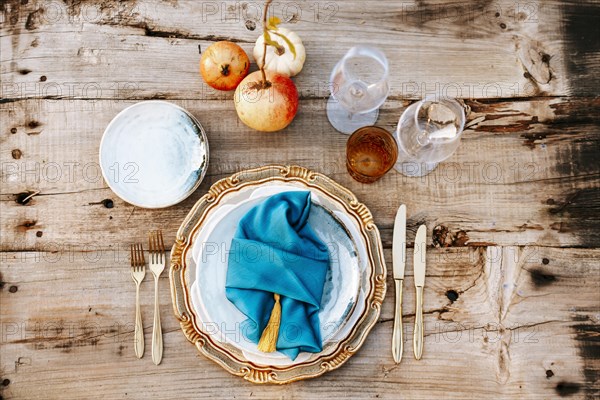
[(274, 250)]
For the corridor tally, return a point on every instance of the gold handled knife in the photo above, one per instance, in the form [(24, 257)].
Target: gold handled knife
[(399, 260), (419, 274)]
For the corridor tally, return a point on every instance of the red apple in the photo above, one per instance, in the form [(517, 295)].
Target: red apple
[(223, 65), (266, 108)]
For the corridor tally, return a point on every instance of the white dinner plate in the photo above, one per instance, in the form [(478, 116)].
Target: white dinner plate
[(345, 286), (154, 154)]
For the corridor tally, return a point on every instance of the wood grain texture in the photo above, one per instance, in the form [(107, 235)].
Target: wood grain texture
[(145, 49), (522, 175), (511, 299), (81, 336)]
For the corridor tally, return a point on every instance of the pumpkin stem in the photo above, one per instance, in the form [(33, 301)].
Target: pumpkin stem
[(265, 83)]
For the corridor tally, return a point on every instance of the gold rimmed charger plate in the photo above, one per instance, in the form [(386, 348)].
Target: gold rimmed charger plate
[(229, 356)]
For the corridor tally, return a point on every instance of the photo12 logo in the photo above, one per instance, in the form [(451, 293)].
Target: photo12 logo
[(48, 91), (287, 11), (53, 12), (66, 172), (470, 12)]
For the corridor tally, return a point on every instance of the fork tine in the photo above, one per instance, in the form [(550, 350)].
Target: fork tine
[(132, 260), (162, 247), (150, 247), (142, 259), (152, 238), (154, 247), (137, 254), (134, 246), (161, 243), (154, 244)]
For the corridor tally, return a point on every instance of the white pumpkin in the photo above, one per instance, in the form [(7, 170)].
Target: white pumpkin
[(286, 63)]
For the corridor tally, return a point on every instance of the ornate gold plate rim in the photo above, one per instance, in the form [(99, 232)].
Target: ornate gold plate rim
[(230, 357)]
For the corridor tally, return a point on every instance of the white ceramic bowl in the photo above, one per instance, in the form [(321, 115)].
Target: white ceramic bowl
[(154, 154)]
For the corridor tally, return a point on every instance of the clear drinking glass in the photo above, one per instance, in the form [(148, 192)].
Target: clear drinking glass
[(428, 132), (359, 86)]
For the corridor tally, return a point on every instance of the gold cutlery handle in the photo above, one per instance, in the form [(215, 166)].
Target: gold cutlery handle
[(157, 340), (138, 337), (418, 332), (397, 339)]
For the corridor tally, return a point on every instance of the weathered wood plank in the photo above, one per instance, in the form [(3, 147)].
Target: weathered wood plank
[(581, 46), (525, 174), (64, 326), (145, 49), (502, 319)]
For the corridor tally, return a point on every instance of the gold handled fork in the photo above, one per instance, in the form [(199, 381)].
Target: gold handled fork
[(138, 272), (157, 265)]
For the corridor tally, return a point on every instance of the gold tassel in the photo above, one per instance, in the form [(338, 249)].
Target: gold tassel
[(268, 339)]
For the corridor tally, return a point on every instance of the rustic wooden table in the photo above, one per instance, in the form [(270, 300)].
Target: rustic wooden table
[(512, 299)]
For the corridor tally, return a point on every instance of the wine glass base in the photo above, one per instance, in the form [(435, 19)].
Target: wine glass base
[(414, 169), (346, 122)]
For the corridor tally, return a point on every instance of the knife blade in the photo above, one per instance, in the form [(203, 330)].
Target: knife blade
[(399, 243), (399, 262), (419, 276)]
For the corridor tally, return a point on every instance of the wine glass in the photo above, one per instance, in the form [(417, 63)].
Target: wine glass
[(428, 132), (359, 86)]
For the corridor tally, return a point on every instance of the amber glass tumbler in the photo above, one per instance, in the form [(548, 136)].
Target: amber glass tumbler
[(370, 153)]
